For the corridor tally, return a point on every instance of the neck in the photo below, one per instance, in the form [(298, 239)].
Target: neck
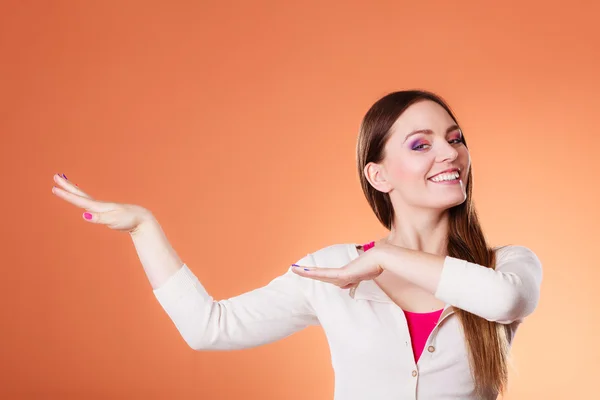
[(421, 230)]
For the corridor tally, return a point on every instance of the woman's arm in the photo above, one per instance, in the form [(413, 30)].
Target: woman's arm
[(257, 317), (158, 258), (507, 293), (254, 318)]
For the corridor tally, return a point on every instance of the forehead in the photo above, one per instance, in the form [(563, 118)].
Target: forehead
[(425, 114)]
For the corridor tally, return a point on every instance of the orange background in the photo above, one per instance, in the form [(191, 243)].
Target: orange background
[(236, 125)]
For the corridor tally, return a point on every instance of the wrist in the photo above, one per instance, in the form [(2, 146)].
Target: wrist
[(145, 222), (387, 256)]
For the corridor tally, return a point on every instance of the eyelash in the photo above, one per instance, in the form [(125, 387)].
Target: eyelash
[(456, 141)]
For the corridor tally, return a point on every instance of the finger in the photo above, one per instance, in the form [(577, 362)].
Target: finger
[(317, 272), (80, 201), (69, 186), (335, 282), (103, 218), (329, 275), (91, 217)]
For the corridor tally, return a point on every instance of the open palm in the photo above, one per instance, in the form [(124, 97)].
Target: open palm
[(121, 217)]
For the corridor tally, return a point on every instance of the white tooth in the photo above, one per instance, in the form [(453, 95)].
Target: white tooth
[(447, 176)]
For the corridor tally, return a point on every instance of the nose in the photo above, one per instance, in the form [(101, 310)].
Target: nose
[(447, 152)]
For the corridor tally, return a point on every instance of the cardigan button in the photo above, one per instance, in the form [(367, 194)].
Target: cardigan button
[(414, 373), (431, 349)]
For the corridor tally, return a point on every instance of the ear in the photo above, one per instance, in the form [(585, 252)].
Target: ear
[(375, 174)]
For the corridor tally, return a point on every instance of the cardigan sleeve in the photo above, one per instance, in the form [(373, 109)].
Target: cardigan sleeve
[(251, 319), (508, 293)]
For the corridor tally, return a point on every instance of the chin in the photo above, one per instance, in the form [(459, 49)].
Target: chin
[(448, 202)]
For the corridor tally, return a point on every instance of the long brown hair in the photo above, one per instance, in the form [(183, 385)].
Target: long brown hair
[(487, 342)]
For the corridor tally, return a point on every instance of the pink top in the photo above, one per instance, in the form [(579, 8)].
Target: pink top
[(420, 325)]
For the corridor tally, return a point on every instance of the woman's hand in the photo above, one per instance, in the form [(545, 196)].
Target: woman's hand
[(121, 217), (364, 267), (159, 259)]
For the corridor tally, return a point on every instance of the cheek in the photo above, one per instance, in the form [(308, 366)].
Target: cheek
[(463, 154), (410, 169), (464, 157)]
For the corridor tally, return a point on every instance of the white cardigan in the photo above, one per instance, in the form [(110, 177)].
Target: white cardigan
[(367, 333)]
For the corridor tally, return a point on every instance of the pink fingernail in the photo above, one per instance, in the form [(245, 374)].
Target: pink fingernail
[(87, 216)]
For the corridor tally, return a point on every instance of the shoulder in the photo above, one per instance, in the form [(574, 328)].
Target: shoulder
[(331, 256)]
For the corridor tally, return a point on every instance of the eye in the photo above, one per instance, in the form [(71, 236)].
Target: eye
[(420, 146), (457, 138)]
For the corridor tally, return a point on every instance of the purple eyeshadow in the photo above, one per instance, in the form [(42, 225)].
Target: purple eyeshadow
[(416, 143)]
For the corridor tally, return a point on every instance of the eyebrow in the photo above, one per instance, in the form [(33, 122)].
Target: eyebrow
[(430, 132)]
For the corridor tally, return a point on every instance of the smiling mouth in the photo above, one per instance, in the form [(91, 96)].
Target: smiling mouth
[(452, 176)]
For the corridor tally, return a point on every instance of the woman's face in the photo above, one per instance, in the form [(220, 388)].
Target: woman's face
[(426, 163)]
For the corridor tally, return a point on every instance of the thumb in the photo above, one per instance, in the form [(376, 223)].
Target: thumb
[(97, 217), (350, 285), (88, 216)]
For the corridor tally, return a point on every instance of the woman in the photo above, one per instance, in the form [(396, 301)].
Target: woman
[(428, 312)]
